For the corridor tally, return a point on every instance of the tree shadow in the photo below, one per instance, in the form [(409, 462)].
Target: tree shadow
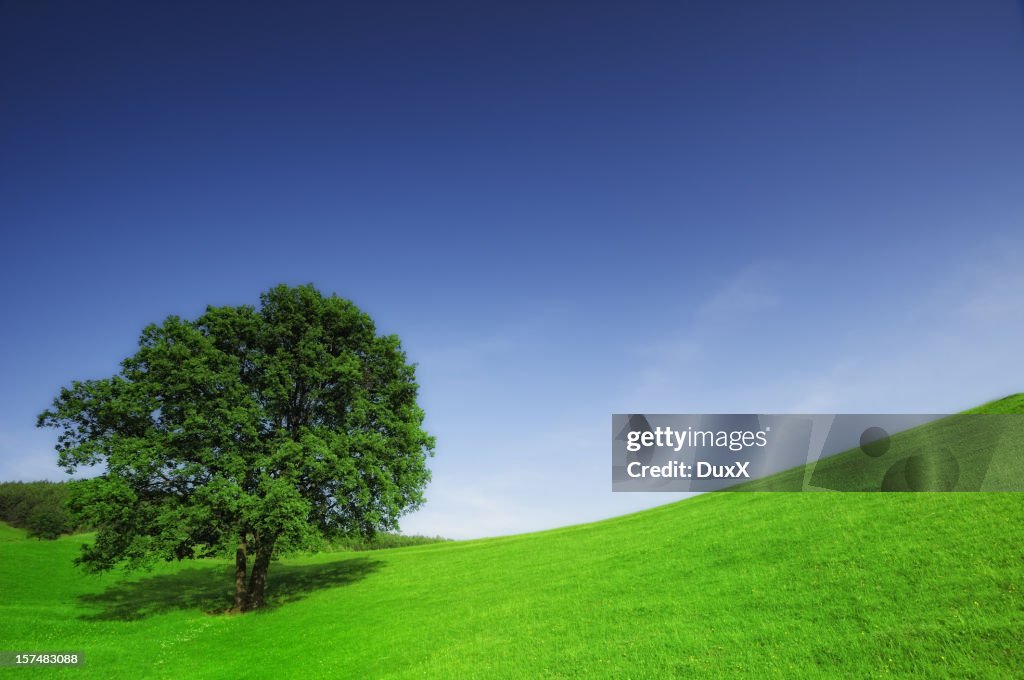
[(211, 589)]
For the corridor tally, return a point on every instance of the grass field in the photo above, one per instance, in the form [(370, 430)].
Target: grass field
[(724, 584)]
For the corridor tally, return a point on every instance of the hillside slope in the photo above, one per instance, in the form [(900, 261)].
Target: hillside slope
[(762, 585), (981, 449)]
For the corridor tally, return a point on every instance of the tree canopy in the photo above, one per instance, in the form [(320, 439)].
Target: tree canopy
[(249, 429)]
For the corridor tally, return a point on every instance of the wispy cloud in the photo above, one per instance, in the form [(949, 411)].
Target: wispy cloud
[(959, 344), (674, 366), (954, 340)]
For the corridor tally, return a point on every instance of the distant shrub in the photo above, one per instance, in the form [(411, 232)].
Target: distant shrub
[(47, 522), (38, 507)]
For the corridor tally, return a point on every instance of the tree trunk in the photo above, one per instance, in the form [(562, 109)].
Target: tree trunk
[(258, 579), (241, 595)]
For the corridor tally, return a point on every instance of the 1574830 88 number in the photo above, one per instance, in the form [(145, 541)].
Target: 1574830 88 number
[(19, 658)]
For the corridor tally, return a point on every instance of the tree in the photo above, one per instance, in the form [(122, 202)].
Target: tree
[(47, 521), (257, 430)]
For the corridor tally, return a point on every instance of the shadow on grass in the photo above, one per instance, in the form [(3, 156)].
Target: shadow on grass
[(211, 589)]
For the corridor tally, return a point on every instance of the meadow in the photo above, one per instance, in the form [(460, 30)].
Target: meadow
[(723, 584)]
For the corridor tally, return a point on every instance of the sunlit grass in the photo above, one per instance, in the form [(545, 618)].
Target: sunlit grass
[(765, 584)]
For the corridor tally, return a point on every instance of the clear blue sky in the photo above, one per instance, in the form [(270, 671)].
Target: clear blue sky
[(564, 209)]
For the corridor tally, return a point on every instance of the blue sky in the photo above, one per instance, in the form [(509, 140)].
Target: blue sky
[(564, 209)]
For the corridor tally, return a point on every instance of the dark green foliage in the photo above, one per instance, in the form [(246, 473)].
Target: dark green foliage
[(47, 521), (36, 506), (255, 430), (382, 541)]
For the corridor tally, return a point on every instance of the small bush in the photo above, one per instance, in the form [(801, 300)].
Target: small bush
[(47, 522)]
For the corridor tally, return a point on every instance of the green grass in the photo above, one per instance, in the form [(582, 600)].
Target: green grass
[(726, 584), (9, 533)]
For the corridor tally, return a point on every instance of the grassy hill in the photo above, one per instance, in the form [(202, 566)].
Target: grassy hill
[(749, 584), (962, 452)]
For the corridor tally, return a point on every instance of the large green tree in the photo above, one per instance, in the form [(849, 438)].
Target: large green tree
[(253, 430)]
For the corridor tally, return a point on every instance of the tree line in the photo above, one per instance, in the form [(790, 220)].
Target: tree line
[(38, 507)]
